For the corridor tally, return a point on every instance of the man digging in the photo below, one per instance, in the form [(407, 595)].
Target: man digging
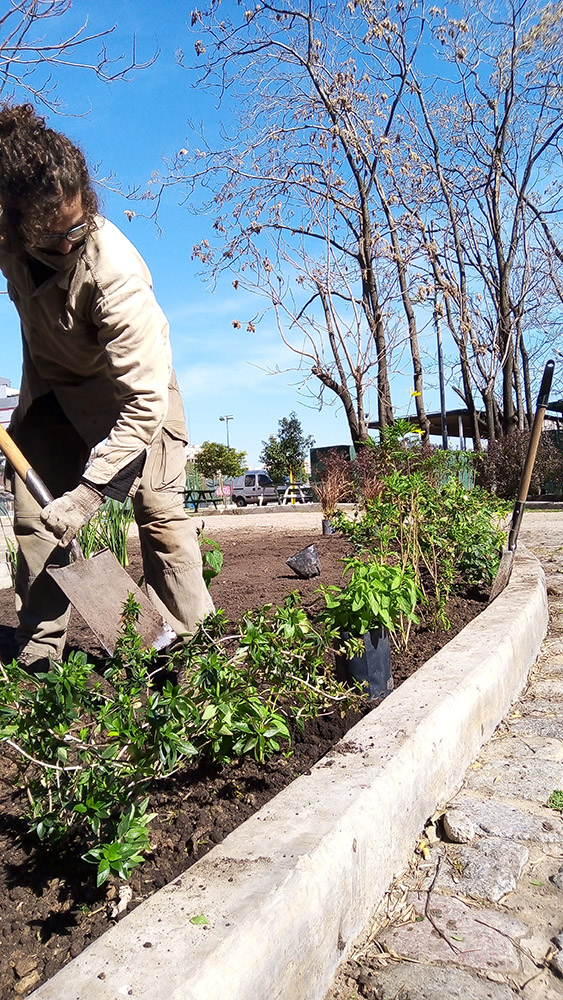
[(97, 372)]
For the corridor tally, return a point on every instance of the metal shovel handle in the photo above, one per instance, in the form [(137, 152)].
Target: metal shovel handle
[(33, 482)]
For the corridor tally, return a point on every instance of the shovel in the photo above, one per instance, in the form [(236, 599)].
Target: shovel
[(97, 587), (507, 560)]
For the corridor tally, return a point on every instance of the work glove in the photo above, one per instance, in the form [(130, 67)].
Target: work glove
[(66, 515)]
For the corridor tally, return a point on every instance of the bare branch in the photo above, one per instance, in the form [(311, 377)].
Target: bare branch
[(30, 57)]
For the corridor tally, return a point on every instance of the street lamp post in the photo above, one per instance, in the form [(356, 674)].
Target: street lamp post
[(226, 418)]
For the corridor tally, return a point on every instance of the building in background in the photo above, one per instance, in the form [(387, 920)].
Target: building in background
[(8, 401)]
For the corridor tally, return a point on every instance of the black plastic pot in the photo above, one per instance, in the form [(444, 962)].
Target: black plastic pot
[(327, 525), (372, 667), (305, 563)]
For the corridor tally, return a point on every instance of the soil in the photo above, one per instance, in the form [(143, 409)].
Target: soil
[(50, 907)]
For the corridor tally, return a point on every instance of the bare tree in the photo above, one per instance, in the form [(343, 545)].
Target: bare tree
[(490, 140), (301, 209), (390, 164), (31, 53)]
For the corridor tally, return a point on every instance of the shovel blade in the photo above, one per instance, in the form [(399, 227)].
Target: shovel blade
[(503, 574), (98, 588)]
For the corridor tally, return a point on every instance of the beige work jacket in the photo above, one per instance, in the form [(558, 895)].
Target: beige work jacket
[(97, 338)]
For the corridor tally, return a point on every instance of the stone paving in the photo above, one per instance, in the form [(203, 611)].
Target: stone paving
[(482, 918)]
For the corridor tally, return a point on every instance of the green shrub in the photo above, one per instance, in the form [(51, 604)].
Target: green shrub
[(502, 465), (89, 751), (433, 524)]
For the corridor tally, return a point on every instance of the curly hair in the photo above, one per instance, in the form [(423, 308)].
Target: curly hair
[(39, 170)]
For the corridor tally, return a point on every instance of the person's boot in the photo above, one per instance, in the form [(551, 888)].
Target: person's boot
[(32, 663)]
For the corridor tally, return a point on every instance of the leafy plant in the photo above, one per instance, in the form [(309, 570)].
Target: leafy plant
[(126, 851), (108, 529), (11, 550), (427, 519), (400, 449), (211, 557), (376, 594), (89, 751)]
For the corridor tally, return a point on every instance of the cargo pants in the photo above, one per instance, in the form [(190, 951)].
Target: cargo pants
[(169, 547)]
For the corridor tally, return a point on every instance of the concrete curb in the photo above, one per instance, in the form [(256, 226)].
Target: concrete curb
[(288, 891)]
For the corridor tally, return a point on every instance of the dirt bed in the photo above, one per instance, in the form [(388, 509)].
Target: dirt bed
[(50, 907)]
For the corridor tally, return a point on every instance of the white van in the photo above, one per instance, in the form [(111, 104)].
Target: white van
[(254, 487)]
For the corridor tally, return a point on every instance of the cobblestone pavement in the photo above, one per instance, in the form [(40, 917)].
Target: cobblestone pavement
[(479, 913)]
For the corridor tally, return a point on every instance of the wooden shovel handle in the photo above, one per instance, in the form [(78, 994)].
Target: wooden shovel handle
[(35, 485), (13, 454)]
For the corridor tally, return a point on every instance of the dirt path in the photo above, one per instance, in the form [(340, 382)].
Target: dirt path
[(278, 520), (542, 532)]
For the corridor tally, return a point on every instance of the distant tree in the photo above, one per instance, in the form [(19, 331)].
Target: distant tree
[(286, 451), (213, 457)]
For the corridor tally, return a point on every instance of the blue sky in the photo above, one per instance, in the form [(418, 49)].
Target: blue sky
[(125, 130)]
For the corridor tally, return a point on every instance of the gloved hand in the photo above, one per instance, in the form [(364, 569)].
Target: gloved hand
[(67, 514)]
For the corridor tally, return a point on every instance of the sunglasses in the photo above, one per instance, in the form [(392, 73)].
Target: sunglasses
[(75, 235)]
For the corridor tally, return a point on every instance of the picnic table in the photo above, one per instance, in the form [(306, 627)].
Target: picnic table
[(296, 493), (193, 497)]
